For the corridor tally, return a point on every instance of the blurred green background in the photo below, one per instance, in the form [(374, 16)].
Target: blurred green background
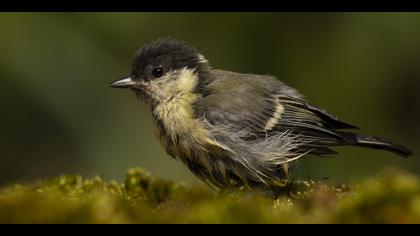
[(59, 116)]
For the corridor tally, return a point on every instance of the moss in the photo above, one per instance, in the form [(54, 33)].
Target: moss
[(391, 197)]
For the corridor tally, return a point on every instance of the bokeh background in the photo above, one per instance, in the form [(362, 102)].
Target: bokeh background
[(58, 115)]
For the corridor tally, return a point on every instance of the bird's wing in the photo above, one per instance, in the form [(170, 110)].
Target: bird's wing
[(262, 105)]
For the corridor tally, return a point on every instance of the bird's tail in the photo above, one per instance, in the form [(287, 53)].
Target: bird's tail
[(369, 141)]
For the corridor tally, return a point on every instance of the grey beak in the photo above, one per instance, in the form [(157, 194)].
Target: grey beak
[(123, 83)]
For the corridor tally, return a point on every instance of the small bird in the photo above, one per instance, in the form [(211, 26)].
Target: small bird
[(231, 129)]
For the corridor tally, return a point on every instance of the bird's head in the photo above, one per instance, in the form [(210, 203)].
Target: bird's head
[(163, 69)]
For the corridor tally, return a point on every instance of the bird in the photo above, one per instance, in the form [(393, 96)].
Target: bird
[(231, 129)]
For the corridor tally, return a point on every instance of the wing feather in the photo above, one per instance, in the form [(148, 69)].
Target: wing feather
[(249, 102)]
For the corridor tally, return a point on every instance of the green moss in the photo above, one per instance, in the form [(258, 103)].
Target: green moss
[(391, 197)]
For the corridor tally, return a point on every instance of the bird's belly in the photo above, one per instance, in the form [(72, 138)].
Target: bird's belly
[(206, 162)]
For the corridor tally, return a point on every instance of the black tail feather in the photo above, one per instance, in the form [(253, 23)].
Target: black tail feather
[(369, 141)]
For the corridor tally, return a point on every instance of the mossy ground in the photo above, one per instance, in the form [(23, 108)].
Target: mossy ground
[(391, 197)]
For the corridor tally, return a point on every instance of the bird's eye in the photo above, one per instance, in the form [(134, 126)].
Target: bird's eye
[(157, 72)]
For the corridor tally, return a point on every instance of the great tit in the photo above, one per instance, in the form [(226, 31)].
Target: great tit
[(232, 129)]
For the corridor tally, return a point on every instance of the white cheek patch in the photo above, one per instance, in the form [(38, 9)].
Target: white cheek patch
[(180, 81), (187, 80), (159, 88), (272, 122)]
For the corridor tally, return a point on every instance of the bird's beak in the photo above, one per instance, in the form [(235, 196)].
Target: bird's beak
[(123, 83)]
